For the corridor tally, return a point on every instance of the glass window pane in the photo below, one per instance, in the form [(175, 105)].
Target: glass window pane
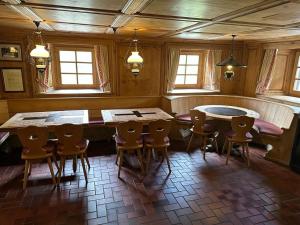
[(84, 68), (191, 80), (297, 85), (68, 56), (179, 79), (84, 56), (85, 79), (68, 67), (68, 79), (181, 70), (182, 59), (193, 59), (192, 69), (298, 73), (299, 62)]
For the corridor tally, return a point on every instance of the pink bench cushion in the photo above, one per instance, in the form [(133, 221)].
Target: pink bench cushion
[(265, 127), (184, 118), (3, 136)]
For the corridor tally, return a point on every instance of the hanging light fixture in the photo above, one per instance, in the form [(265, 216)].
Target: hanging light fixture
[(39, 54), (230, 63), (134, 61)]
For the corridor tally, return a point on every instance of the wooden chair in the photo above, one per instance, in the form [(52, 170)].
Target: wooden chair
[(158, 140), (35, 147), (128, 138), (202, 129), (239, 134), (71, 144)]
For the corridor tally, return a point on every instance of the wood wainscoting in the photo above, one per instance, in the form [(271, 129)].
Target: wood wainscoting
[(4, 115), (281, 115)]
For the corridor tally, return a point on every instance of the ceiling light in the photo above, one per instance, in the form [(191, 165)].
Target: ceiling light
[(134, 61)]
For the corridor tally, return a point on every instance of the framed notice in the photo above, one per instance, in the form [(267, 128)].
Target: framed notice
[(10, 52), (12, 79)]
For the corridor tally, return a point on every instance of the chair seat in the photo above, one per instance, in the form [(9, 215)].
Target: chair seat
[(121, 142), (231, 134), (26, 156), (82, 146), (265, 127), (207, 128), (184, 118), (149, 140)]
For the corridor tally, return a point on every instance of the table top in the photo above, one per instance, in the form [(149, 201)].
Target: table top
[(226, 112), (51, 118), (145, 115)]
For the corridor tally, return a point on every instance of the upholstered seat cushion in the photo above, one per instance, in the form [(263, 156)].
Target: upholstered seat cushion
[(231, 133), (265, 127), (120, 141), (184, 118), (148, 139), (208, 128), (3, 136)]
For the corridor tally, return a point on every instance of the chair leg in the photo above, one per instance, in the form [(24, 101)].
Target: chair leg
[(248, 154), (87, 160), (190, 142), (167, 158), (29, 169), (75, 163), (120, 162), (243, 153), (51, 170), (216, 145), (228, 151), (204, 147), (55, 161), (62, 165), (118, 155), (148, 159), (25, 174), (225, 146), (83, 167), (140, 157)]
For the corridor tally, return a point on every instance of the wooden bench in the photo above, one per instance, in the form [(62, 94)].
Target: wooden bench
[(275, 128)]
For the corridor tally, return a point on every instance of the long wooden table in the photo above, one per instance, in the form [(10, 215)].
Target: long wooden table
[(45, 119), (144, 115)]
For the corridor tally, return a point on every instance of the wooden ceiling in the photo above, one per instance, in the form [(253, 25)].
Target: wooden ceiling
[(188, 19)]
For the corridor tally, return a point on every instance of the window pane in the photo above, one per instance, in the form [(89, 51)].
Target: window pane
[(179, 79), (193, 59), (68, 79), (298, 73), (299, 62), (85, 79), (297, 85), (68, 56), (181, 70), (192, 69), (84, 68), (182, 59), (68, 67), (190, 79), (84, 56)]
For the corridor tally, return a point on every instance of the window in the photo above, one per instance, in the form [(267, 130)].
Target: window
[(75, 68), (189, 71), (296, 86)]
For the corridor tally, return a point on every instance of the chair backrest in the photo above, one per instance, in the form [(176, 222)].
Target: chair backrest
[(198, 119), (130, 132), (159, 130), (69, 136), (33, 139), (241, 125)]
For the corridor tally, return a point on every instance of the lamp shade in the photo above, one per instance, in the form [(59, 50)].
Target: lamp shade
[(231, 62), (39, 52), (135, 58)]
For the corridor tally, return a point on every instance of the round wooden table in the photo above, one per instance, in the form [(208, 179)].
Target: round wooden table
[(226, 112)]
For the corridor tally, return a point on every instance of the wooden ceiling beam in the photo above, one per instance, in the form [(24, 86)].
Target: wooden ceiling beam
[(26, 12), (232, 15)]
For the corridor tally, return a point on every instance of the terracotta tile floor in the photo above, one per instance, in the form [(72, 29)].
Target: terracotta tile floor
[(196, 192)]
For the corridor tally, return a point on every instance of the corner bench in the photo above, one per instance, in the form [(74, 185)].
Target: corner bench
[(276, 126)]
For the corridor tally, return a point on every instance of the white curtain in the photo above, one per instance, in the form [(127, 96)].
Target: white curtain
[(102, 67), (266, 71), (212, 72), (173, 62)]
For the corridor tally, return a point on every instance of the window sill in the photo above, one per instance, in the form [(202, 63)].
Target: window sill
[(74, 92), (284, 99), (193, 91)]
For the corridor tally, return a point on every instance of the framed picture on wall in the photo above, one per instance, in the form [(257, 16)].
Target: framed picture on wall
[(12, 79), (10, 52)]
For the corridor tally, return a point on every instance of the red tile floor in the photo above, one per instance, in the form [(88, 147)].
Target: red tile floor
[(196, 192)]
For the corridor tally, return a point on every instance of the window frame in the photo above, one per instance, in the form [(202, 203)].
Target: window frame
[(57, 80), (201, 70), (292, 91)]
